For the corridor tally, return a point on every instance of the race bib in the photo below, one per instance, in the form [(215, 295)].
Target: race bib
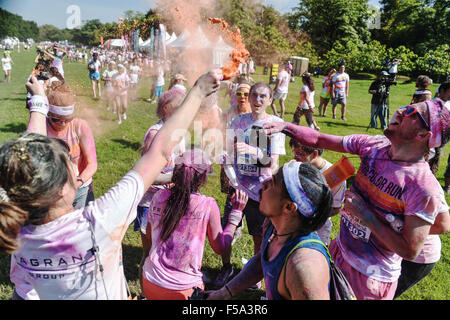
[(248, 170), (355, 227)]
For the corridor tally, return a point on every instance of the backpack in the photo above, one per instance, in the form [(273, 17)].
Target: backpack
[(340, 289)]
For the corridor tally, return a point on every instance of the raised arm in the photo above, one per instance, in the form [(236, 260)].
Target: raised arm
[(151, 163), (39, 107), (307, 136)]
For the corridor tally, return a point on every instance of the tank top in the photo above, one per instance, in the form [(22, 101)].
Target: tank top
[(272, 269)]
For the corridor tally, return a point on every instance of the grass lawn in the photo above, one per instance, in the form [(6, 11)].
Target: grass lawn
[(118, 149)]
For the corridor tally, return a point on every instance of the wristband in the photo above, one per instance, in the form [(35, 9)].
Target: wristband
[(80, 179), (235, 217), (39, 104)]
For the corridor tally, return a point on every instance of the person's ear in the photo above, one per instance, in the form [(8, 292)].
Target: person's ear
[(424, 135), (290, 208)]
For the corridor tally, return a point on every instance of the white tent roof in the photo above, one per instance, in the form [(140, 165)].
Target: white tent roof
[(171, 38), (187, 40), (222, 45), (116, 43)]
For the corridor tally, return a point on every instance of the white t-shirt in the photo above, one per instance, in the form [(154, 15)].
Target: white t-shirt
[(305, 104), (96, 66), (340, 81), (134, 73), (283, 76), (109, 74), (6, 62), (55, 261), (159, 79)]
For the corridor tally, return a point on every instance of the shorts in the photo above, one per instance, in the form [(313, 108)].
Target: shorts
[(252, 215), (325, 95), (94, 76), (140, 217), (277, 95), (158, 91), (364, 287), (339, 98)]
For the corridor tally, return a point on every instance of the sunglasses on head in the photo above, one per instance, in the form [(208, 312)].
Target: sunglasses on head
[(242, 94), (411, 110)]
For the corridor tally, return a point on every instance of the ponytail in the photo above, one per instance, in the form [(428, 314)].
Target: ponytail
[(12, 218)]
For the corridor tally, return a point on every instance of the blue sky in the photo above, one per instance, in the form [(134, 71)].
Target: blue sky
[(54, 11)]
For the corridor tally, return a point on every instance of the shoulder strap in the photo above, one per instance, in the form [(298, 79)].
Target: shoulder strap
[(298, 245)]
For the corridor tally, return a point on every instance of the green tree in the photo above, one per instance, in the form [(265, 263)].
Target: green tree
[(89, 33), (327, 21), (13, 25), (419, 25)]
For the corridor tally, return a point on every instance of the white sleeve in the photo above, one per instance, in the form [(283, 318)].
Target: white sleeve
[(118, 206)]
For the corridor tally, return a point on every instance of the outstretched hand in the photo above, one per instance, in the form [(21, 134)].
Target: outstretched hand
[(209, 82), (34, 87), (239, 200), (274, 127)]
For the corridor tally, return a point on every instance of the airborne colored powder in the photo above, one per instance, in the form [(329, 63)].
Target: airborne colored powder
[(239, 53)]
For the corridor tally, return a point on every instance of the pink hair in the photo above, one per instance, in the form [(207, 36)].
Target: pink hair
[(174, 97)]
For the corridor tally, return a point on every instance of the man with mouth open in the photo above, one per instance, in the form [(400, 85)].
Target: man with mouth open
[(247, 168), (393, 200)]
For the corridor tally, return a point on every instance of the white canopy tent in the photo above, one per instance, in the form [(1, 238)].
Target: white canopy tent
[(221, 52), (116, 43), (187, 39)]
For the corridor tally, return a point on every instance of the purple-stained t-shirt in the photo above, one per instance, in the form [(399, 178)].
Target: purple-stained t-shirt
[(392, 191), (176, 263), (248, 174)]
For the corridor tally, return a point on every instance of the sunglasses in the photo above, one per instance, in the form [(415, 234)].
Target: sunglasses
[(56, 120), (411, 110), (241, 94)]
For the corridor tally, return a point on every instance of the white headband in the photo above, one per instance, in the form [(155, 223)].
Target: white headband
[(295, 189), (62, 111)]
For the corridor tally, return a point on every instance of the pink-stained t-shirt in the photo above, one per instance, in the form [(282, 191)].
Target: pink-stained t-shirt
[(55, 260), (431, 251), (176, 263), (392, 191), (71, 135)]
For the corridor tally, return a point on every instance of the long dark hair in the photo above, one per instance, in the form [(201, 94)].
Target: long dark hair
[(309, 81), (187, 178)]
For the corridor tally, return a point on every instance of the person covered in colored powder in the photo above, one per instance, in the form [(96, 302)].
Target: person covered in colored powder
[(58, 252), (394, 199), (179, 220)]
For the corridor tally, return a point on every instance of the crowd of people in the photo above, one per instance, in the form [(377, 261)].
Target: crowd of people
[(67, 244)]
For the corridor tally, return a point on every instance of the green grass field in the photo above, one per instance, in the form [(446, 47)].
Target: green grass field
[(118, 149)]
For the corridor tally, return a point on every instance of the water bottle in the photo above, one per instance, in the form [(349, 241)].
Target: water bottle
[(229, 170), (396, 224)]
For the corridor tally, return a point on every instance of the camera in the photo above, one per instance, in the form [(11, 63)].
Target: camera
[(43, 75), (388, 82)]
